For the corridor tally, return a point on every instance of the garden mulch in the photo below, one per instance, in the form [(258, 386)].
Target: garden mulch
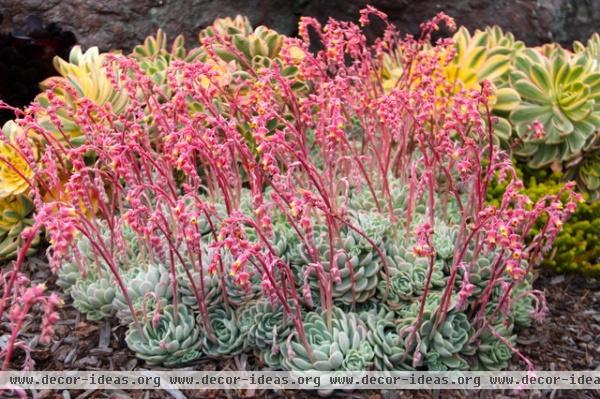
[(569, 339)]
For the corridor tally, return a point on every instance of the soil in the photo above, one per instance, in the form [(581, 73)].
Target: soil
[(569, 339)]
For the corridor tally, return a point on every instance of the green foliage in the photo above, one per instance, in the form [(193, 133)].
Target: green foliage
[(577, 247), (16, 214)]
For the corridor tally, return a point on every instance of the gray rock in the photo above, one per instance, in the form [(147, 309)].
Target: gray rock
[(114, 24)]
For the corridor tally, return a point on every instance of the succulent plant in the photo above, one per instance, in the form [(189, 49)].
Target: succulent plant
[(15, 171), (15, 215), (213, 285), (84, 75), (486, 55), (387, 344), (174, 339), (155, 58), (254, 48), (357, 261), (399, 292), (421, 270), (235, 42), (592, 48), (246, 315), (94, 295), (443, 344), (227, 339), (492, 353), (521, 305), (444, 240), (480, 271), (585, 169), (271, 327), (562, 92), (145, 285), (341, 345)]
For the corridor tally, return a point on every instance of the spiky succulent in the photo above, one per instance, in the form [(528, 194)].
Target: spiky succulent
[(226, 338), (94, 295), (84, 75), (562, 92), (15, 215), (172, 339), (272, 325), (155, 58), (237, 41), (339, 345), (145, 286)]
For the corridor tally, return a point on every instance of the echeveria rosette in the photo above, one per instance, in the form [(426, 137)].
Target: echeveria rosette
[(444, 240), (357, 260), (271, 327), (226, 338), (479, 271), (398, 292), (493, 354), (67, 276), (407, 315), (344, 346), (444, 344), (521, 305), (173, 340), (213, 294), (388, 346), (419, 274), (561, 92), (94, 295), (145, 285)]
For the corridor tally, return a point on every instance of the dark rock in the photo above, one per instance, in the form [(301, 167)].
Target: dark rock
[(113, 24)]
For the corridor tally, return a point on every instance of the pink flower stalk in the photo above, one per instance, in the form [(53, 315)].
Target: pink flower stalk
[(176, 168)]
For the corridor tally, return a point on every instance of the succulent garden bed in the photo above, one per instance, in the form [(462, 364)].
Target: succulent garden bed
[(312, 203)]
